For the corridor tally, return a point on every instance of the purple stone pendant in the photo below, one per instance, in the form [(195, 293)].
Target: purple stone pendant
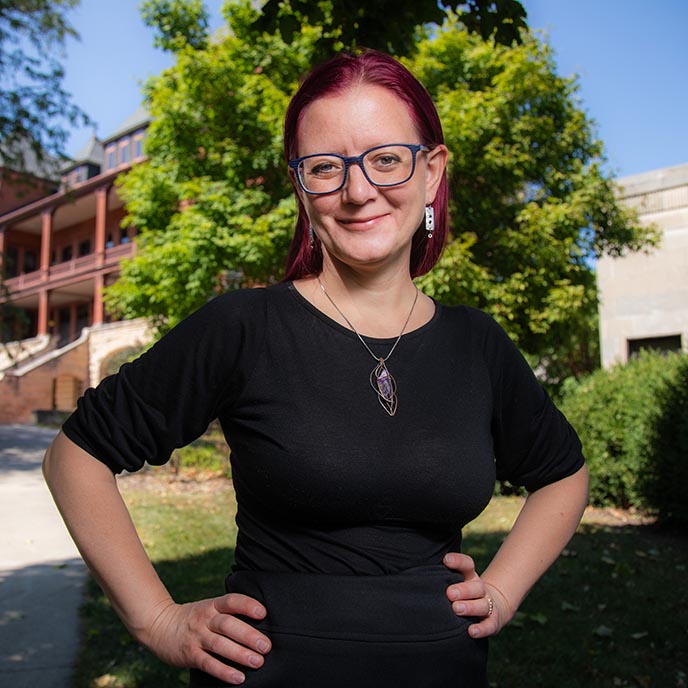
[(385, 386)]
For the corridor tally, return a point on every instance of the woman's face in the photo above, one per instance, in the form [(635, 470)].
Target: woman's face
[(361, 225)]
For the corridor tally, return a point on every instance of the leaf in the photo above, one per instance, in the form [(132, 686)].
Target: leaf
[(603, 632), (568, 607), (539, 618), (640, 635)]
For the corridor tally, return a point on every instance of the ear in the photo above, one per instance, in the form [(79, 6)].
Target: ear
[(436, 163)]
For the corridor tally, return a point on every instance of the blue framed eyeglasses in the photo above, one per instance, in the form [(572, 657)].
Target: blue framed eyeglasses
[(388, 165)]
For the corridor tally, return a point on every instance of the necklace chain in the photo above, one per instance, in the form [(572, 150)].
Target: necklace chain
[(381, 379)]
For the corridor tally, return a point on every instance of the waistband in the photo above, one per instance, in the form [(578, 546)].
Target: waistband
[(408, 606)]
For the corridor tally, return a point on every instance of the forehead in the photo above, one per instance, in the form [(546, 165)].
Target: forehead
[(360, 117)]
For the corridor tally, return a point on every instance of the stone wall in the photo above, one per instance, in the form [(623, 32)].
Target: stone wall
[(644, 296)]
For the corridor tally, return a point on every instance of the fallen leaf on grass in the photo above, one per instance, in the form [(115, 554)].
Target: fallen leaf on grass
[(568, 607), (640, 635), (603, 631)]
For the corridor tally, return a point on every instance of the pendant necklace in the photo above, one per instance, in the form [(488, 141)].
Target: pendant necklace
[(381, 379)]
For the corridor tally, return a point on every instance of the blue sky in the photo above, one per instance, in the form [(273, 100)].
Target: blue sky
[(631, 57)]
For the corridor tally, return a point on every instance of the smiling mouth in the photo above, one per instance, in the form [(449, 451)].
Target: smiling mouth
[(361, 222)]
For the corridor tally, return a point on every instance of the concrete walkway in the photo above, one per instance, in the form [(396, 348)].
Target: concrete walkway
[(41, 573)]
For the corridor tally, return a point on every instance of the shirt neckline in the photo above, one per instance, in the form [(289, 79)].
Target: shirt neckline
[(305, 303)]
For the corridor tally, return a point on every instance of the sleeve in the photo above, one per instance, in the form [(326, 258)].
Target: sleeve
[(169, 395), (534, 443)]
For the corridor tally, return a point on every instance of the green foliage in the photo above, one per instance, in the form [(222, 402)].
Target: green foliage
[(531, 205), (35, 110), (208, 454), (178, 23), (633, 422), (389, 25)]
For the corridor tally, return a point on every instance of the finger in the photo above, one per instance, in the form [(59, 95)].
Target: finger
[(460, 562), (236, 603), (470, 590), (240, 632), (218, 669), (479, 607), (227, 648), (485, 628)]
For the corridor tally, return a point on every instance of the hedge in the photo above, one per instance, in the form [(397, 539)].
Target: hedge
[(633, 422)]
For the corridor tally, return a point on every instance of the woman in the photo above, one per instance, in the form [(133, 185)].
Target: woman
[(367, 424)]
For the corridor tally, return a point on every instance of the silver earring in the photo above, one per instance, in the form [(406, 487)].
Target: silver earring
[(311, 231), (429, 220)]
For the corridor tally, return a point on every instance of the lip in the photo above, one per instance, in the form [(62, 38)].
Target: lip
[(361, 223)]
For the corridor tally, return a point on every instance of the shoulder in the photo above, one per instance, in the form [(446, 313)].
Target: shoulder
[(472, 322)]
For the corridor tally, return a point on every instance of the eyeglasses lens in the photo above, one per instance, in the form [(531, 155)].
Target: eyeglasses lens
[(387, 166)]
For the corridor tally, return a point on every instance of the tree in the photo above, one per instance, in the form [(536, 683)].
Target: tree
[(178, 23), (531, 209), (34, 108), (389, 25)]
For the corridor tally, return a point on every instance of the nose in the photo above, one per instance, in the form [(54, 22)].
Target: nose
[(357, 188)]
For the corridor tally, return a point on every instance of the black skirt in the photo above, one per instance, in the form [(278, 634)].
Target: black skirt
[(387, 631)]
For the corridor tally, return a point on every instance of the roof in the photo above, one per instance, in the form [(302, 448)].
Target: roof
[(91, 153), (654, 180), (137, 120), (46, 167)]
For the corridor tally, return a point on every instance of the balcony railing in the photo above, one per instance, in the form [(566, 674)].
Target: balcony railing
[(69, 268)]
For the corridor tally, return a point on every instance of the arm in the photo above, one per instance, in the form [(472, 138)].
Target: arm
[(86, 493), (544, 526)]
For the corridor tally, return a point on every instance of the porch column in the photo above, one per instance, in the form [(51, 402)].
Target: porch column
[(98, 308), (101, 214), (2, 250), (46, 236), (43, 311)]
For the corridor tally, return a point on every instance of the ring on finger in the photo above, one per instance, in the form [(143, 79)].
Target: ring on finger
[(490, 606)]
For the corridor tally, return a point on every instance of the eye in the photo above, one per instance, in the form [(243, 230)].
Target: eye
[(323, 167), (386, 160)]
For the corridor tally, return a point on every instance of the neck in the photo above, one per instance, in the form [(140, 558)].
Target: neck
[(376, 304)]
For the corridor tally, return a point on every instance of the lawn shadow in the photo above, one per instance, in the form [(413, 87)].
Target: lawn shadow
[(612, 611), (39, 622)]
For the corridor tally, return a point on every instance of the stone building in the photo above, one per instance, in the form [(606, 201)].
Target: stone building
[(644, 296)]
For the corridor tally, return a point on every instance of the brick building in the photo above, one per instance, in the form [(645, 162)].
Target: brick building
[(61, 242)]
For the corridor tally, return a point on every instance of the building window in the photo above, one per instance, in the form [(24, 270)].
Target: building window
[(84, 247), (138, 144), (111, 156), (67, 253), (125, 235), (661, 344), (124, 151)]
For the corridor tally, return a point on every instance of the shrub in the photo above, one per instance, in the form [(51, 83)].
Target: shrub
[(208, 454), (633, 422)]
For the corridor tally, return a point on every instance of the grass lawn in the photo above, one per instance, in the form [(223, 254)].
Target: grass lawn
[(613, 611)]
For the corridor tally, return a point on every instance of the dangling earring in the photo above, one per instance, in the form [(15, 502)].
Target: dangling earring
[(429, 220), (311, 231)]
